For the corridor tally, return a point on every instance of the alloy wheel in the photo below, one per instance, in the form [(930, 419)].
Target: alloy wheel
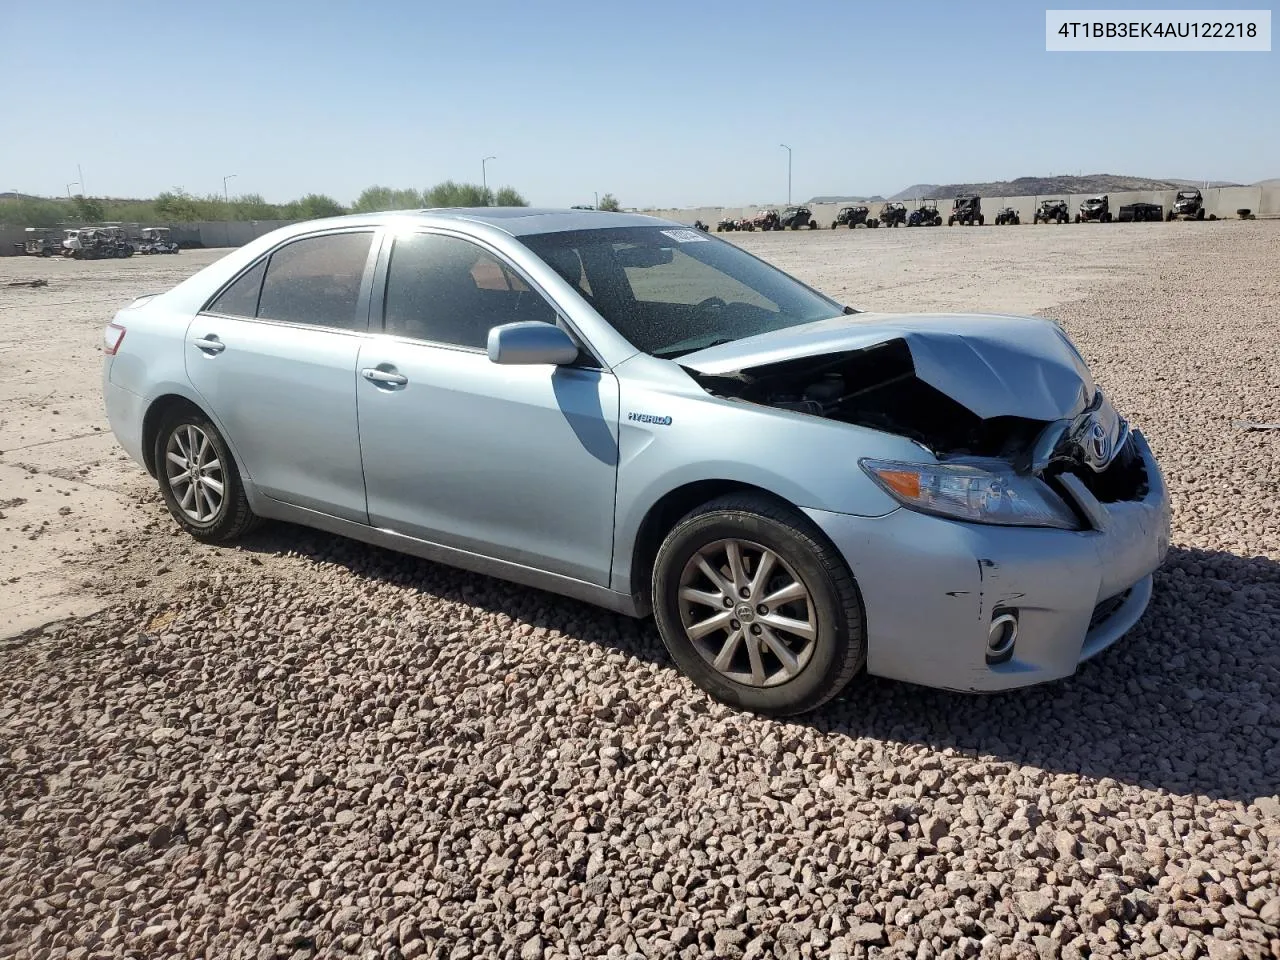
[(747, 613), (195, 473)]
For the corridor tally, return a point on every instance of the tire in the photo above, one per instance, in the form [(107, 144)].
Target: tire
[(1200, 214), (982, 221), (1106, 218), (827, 660), (232, 518), (1169, 217)]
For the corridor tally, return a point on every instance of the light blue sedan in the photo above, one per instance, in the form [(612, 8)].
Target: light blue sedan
[(631, 412)]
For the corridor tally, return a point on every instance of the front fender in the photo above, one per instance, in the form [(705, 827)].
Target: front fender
[(670, 439)]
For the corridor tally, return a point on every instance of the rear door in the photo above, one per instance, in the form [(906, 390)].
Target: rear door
[(274, 356)]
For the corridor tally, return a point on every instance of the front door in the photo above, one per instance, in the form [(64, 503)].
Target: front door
[(512, 462)]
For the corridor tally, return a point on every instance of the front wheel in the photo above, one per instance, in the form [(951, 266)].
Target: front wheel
[(757, 607), (199, 480)]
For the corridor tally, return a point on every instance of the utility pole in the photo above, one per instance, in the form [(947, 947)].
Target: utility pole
[(484, 178), (226, 197), (788, 149), (597, 199), (80, 173)]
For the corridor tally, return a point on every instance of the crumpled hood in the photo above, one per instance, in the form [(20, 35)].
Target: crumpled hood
[(994, 365)]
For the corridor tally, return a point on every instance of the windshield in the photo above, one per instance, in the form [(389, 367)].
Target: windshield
[(1188, 195), (672, 291)]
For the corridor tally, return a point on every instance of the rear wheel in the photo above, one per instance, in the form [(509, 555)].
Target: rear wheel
[(757, 607), (199, 480)]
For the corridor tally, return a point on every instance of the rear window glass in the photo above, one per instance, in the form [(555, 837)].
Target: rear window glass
[(316, 281), (241, 298)]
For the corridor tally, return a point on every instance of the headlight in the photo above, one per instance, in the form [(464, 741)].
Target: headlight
[(981, 491)]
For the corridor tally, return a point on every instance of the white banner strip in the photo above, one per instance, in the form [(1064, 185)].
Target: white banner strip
[(1166, 31)]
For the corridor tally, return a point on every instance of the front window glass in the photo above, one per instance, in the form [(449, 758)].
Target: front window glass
[(672, 291), (448, 290)]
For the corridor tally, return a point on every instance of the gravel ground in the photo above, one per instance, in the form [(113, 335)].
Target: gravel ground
[(305, 746)]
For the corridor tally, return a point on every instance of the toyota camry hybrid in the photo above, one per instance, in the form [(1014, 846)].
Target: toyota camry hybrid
[(633, 413)]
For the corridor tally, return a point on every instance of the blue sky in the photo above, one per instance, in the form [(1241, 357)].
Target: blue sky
[(661, 103)]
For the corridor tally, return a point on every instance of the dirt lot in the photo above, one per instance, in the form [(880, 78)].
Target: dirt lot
[(303, 745)]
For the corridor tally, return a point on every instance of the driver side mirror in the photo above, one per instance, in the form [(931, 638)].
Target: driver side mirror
[(531, 342)]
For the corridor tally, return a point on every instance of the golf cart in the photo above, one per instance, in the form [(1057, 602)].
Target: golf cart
[(1097, 209), (1008, 216), (156, 240), (893, 214), (1052, 211), (966, 210), (40, 242), (96, 243), (1188, 205)]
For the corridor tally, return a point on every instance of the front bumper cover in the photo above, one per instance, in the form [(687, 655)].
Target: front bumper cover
[(929, 587)]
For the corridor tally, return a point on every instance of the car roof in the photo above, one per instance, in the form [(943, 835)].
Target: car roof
[(516, 221)]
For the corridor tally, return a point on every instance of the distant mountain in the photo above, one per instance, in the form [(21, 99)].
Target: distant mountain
[(1042, 186), (840, 199)]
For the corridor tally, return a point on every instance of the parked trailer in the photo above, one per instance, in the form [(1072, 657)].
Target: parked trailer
[(1140, 213)]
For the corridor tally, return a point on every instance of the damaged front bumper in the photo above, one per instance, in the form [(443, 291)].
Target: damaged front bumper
[(932, 587)]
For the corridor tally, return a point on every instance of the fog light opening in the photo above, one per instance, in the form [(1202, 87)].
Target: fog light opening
[(1001, 636)]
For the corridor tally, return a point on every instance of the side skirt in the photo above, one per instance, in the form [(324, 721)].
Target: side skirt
[(450, 556)]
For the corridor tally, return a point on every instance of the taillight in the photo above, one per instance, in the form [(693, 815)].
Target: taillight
[(112, 337)]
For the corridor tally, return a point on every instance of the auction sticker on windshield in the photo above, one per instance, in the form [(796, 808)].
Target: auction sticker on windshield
[(685, 236)]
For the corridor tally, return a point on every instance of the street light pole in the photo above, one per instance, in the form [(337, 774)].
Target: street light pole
[(788, 149), (80, 174), (226, 197), (484, 178), (73, 183)]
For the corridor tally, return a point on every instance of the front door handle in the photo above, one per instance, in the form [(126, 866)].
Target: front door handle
[(385, 378), (210, 343)]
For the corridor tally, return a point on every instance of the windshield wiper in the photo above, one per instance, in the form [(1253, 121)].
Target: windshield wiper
[(672, 352)]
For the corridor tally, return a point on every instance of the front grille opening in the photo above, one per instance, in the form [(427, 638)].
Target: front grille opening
[(1125, 478)]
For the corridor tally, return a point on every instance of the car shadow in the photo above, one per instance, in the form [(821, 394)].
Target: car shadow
[(1188, 701)]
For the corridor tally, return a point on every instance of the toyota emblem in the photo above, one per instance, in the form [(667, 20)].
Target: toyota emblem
[(1097, 444)]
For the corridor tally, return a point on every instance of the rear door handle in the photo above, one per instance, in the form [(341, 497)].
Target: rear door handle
[(387, 378), (210, 344)]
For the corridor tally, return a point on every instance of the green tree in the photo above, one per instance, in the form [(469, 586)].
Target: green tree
[(177, 205), (609, 202), (452, 194), (33, 212), (312, 207), (251, 206), (87, 209), (510, 197), (376, 199)]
